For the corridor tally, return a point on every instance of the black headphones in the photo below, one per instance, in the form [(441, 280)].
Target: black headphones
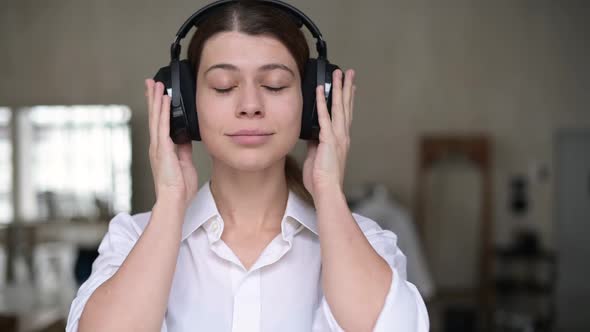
[(179, 76)]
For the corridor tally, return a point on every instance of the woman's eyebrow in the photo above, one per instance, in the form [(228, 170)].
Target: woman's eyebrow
[(226, 66), (272, 66), (267, 67)]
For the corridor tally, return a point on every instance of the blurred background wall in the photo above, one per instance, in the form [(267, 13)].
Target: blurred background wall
[(517, 71)]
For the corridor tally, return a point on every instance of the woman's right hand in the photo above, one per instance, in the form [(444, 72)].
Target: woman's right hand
[(175, 176)]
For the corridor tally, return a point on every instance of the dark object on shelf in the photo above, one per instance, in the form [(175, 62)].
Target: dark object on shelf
[(518, 195), (513, 289), (527, 243)]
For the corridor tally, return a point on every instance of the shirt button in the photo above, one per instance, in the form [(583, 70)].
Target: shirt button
[(215, 226)]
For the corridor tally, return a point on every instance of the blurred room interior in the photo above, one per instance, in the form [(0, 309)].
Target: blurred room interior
[(471, 141)]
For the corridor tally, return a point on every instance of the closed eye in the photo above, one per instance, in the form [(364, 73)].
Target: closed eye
[(269, 88), (223, 90), (273, 89)]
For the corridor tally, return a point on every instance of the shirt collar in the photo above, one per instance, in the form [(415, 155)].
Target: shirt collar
[(203, 207)]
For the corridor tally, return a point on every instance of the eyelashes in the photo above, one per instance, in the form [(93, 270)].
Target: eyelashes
[(272, 89), (269, 88), (223, 91)]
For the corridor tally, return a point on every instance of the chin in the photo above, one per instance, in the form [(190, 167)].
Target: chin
[(245, 159), (252, 160)]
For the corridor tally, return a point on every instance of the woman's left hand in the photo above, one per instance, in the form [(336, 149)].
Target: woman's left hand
[(325, 163)]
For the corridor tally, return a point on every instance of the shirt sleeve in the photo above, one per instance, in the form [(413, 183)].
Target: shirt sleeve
[(120, 238), (404, 308)]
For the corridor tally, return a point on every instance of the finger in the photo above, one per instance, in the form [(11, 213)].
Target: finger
[(164, 126), (185, 153), (312, 147), (152, 116), (338, 118), (323, 116), (157, 108), (312, 144), (352, 104), (348, 83)]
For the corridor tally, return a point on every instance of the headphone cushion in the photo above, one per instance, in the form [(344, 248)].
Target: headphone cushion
[(184, 126), (188, 91), (308, 85), (310, 126)]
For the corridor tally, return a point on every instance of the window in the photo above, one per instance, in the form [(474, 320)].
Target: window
[(6, 209), (74, 161)]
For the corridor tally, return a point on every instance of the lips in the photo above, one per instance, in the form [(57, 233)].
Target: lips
[(251, 132), (251, 136)]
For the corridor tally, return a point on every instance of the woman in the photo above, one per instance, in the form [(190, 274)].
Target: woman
[(261, 246)]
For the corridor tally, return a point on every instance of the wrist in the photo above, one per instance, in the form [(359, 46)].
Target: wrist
[(171, 205), (327, 194), (171, 197)]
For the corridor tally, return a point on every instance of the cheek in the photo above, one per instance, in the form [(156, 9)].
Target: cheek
[(288, 111), (289, 122), (210, 112)]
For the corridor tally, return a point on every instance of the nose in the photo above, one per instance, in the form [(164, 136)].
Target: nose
[(250, 102)]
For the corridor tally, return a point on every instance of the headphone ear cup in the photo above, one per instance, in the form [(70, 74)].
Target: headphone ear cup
[(183, 123), (310, 125), (309, 118), (179, 131), (188, 102)]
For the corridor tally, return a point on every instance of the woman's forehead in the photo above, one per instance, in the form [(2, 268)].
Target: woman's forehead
[(245, 51)]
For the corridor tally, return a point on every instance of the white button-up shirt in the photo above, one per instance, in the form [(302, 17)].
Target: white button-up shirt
[(212, 291)]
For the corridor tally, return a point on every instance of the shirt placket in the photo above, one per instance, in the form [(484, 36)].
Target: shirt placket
[(246, 308), (245, 284)]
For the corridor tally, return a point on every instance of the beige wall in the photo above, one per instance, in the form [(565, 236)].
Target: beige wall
[(515, 69)]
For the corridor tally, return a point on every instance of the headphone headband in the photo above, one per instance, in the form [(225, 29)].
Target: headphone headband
[(300, 18)]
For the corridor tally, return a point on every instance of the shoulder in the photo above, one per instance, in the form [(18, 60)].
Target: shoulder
[(384, 242), (130, 225), (123, 232), (372, 229)]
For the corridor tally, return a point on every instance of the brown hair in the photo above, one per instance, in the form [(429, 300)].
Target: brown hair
[(256, 18)]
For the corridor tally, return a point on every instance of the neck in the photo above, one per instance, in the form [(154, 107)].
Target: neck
[(250, 201)]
